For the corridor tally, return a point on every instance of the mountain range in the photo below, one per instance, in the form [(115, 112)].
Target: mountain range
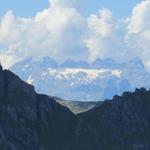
[(31, 121), (83, 81)]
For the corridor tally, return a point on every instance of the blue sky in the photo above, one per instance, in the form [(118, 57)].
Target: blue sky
[(28, 8), (23, 8), (118, 7)]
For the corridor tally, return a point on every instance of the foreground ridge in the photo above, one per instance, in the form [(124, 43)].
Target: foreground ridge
[(30, 121)]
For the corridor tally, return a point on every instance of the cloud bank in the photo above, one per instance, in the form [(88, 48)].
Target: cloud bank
[(62, 32), (138, 31)]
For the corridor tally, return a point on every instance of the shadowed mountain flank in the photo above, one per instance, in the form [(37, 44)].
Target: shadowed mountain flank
[(31, 121)]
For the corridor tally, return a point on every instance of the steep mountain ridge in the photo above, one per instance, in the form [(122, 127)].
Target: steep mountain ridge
[(30, 121), (120, 124)]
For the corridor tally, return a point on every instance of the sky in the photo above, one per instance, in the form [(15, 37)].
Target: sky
[(29, 8), (74, 29), (24, 8)]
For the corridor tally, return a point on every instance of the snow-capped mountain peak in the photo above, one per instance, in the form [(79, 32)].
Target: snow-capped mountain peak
[(81, 80)]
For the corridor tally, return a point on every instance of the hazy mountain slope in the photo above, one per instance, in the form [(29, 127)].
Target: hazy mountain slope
[(82, 81), (76, 106)]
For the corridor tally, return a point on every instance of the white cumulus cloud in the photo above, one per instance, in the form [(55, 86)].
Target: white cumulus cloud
[(62, 32), (105, 36), (56, 31), (138, 31)]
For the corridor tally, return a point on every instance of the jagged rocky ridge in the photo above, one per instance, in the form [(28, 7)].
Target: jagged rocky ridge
[(29, 121)]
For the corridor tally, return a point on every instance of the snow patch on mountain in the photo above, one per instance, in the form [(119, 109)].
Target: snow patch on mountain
[(73, 72), (30, 80), (82, 81)]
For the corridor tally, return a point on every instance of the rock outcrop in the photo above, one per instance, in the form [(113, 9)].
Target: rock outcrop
[(120, 124), (29, 121)]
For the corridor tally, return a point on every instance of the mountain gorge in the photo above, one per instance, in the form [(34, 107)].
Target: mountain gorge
[(31, 121), (76, 80), (76, 106)]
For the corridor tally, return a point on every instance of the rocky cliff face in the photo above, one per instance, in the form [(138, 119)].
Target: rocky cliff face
[(120, 124), (29, 121)]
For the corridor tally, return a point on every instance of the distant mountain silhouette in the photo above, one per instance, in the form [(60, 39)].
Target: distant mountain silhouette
[(83, 81)]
